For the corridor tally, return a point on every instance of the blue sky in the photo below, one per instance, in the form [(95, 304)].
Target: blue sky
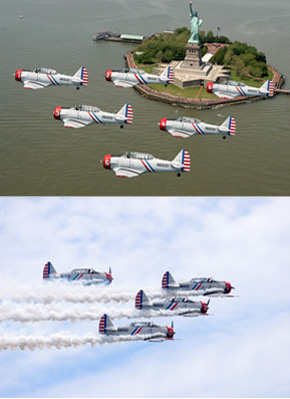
[(241, 350)]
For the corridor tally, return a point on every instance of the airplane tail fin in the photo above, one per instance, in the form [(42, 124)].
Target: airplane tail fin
[(126, 112), (268, 86), (229, 125), (82, 74), (169, 74), (183, 157), (141, 297), (48, 270), (104, 324), (167, 280)]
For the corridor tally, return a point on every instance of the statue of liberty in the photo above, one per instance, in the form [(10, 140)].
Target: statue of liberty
[(194, 25)]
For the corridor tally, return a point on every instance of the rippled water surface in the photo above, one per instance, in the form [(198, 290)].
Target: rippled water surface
[(39, 157)]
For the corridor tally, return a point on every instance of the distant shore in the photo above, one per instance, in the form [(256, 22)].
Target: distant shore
[(199, 103)]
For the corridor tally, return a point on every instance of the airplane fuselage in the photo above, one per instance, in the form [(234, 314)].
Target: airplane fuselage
[(202, 285), (186, 127), (92, 115), (144, 164), (85, 275), (136, 77), (94, 277), (181, 305), (237, 90), (148, 330), (44, 77)]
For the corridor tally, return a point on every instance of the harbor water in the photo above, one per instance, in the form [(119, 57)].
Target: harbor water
[(39, 157)]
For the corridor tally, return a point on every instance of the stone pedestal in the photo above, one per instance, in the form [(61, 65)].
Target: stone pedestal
[(192, 58), (192, 71)]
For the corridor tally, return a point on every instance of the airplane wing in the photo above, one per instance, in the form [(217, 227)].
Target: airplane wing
[(122, 172), (190, 313), (121, 83), (222, 94), (74, 123), (155, 338), (91, 282), (30, 84), (179, 133), (213, 292)]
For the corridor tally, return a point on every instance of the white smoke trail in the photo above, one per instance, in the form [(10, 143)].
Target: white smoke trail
[(59, 341), (37, 312), (74, 293)]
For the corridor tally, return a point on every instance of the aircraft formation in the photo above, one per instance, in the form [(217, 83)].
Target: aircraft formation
[(133, 163), (66, 297), (179, 305)]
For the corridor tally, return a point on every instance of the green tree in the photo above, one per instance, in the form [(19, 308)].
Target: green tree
[(219, 56), (239, 65), (167, 56)]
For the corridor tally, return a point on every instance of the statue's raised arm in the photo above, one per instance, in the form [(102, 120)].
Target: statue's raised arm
[(195, 23), (190, 9)]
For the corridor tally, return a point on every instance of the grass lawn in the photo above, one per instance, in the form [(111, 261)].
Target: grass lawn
[(177, 91), (148, 69), (249, 81)]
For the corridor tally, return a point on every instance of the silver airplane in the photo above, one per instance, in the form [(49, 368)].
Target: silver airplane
[(133, 77), (197, 286), (133, 164), (84, 115), (235, 89), (38, 78), (185, 127), (150, 331), (85, 275), (184, 306)]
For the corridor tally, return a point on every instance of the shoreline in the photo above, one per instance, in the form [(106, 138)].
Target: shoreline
[(197, 103)]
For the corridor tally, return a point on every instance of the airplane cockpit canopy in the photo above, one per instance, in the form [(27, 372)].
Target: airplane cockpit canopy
[(49, 71), (92, 271), (84, 270), (87, 108), (186, 119), (143, 324), (234, 83), (138, 155), (134, 70), (203, 280), (180, 299)]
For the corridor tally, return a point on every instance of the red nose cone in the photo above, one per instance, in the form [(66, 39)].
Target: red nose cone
[(204, 307), (162, 124), (209, 87), (108, 75), (107, 161), (56, 113), (228, 288), (170, 332), (109, 277), (18, 74)]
